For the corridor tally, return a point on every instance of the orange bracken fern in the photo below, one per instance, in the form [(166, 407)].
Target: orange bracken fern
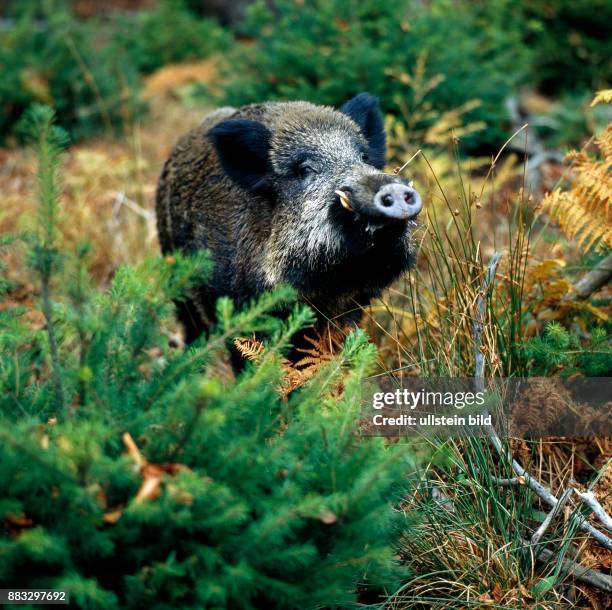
[(584, 212)]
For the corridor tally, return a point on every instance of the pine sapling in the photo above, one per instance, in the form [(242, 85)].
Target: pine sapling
[(48, 141)]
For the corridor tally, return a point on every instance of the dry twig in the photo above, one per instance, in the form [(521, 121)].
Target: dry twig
[(537, 536), (515, 481), (544, 555), (579, 572), (588, 497), (597, 277)]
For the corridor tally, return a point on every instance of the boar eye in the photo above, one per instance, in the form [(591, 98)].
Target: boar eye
[(304, 170), (364, 157)]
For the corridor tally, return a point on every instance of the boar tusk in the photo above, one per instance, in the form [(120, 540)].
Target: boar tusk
[(346, 204), (344, 200)]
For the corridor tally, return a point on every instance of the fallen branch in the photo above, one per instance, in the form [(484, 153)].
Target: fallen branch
[(537, 536), (578, 571), (588, 497), (542, 492), (595, 279)]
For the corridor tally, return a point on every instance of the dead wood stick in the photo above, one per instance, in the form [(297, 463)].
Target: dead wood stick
[(544, 555), (588, 497), (595, 279), (479, 359), (537, 535), (513, 482), (544, 493), (579, 572)]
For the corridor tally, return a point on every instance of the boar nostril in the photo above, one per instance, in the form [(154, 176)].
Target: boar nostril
[(387, 200), (408, 197)]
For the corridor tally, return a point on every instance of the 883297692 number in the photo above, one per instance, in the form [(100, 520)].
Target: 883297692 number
[(34, 596)]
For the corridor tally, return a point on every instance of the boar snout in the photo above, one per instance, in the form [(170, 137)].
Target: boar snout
[(381, 199), (397, 201)]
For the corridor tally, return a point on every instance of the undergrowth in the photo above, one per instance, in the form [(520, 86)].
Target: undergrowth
[(91, 70), (123, 459)]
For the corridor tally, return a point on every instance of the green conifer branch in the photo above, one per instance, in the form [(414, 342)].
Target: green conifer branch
[(49, 142)]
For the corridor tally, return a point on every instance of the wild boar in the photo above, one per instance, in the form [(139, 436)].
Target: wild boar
[(288, 192)]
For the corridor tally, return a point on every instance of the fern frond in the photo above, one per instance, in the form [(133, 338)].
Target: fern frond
[(584, 212), (249, 348), (605, 143), (309, 361)]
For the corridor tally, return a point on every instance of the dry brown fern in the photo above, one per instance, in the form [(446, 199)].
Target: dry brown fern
[(323, 346), (252, 349), (249, 348), (584, 212)]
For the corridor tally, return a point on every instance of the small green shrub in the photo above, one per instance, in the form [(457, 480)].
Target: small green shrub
[(58, 60), (89, 70), (166, 34), (570, 43), (328, 50), (245, 500), (558, 350)]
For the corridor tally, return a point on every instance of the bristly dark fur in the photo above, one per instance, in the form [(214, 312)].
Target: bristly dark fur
[(257, 187)]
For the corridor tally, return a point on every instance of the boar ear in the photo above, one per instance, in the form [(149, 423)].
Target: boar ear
[(364, 110), (243, 146)]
